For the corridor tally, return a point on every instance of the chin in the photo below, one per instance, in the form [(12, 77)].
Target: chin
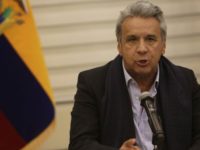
[(144, 73)]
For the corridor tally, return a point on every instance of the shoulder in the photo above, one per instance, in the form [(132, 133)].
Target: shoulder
[(94, 74), (182, 74), (99, 74), (173, 68), (93, 80)]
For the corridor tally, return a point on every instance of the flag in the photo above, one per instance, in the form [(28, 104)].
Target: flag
[(27, 114)]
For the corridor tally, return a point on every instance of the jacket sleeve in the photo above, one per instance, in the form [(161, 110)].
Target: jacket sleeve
[(195, 115), (85, 124)]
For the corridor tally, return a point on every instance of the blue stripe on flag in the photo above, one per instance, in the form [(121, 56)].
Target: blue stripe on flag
[(22, 99)]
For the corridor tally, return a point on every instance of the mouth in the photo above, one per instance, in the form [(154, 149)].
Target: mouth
[(142, 62)]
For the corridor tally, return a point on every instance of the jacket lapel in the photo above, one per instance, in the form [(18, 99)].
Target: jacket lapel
[(118, 104), (171, 100)]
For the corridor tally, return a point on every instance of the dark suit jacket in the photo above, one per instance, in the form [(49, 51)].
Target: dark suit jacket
[(102, 118)]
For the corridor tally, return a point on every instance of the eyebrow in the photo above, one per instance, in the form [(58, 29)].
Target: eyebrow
[(131, 36), (151, 35), (136, 37)]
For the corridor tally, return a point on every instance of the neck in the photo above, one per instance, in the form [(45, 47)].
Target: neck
[(145, 82)]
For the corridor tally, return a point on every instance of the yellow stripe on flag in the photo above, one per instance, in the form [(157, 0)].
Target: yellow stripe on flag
[(25, 40)]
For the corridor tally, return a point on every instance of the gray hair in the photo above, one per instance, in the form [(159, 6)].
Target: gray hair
[(145, 9)]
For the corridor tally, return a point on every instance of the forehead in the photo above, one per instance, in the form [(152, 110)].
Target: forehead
[(139, 25)]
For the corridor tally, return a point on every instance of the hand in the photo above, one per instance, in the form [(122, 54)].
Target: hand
[(129, 145)]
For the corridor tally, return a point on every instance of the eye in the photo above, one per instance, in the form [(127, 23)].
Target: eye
[(151, 38), (131, 39)]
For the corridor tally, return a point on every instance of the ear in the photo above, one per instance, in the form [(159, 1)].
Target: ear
[(119, 47), (164, 47)]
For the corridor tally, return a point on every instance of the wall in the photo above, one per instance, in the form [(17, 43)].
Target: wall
[(79, 34)]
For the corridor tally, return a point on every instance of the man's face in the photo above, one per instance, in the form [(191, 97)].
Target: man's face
[(141, 45)]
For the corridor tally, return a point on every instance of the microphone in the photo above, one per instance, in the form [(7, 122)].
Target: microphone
[(154, 122)]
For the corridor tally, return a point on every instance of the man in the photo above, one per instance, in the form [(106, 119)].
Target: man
[(107, 114)]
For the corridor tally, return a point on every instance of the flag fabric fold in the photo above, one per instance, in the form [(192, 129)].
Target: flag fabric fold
[(27, 113)]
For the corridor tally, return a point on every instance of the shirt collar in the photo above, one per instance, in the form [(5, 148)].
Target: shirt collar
[(128, 78)]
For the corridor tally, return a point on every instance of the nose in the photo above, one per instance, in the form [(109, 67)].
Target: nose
[(142, 48)]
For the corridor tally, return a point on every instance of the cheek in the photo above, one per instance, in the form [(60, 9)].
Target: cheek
[(158, 50), (130, 56), (123, 49)]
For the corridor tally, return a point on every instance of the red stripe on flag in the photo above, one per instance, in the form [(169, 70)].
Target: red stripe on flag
[(9, 138)]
